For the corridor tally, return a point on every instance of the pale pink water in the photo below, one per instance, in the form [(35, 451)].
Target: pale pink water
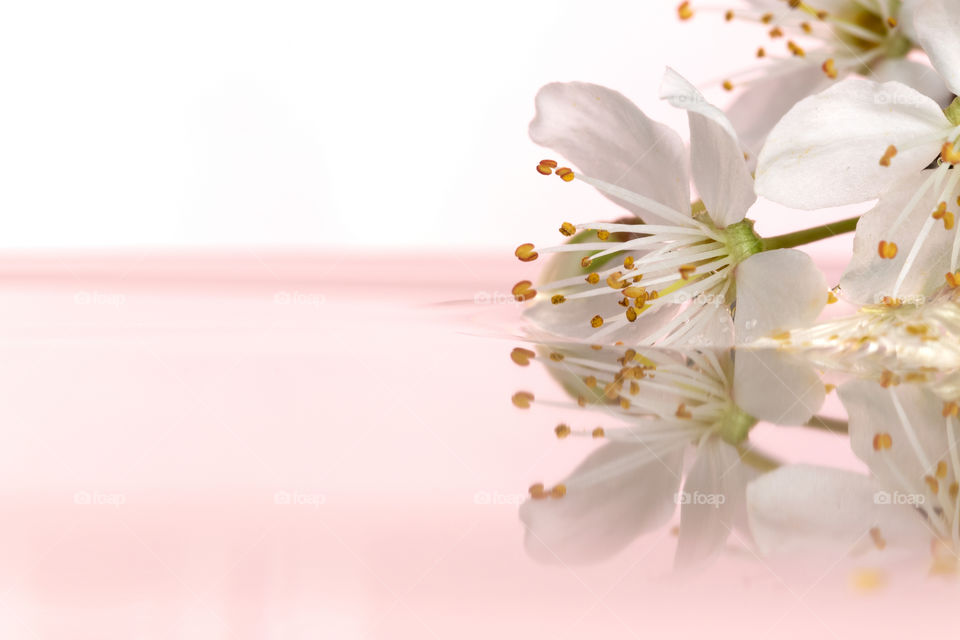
[(282, 445)]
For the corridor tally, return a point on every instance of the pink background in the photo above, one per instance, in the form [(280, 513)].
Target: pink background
[(181, 391)]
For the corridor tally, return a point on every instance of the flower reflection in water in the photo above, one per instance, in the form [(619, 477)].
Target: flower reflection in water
[(658, 408), (676, 428)]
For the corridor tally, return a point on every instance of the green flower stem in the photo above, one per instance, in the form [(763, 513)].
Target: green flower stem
[(814, 234), (829, 424)]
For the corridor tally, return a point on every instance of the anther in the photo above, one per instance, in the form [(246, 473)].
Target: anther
[(892, 22), (631, 314), (565, 174), (558, 299), (522, 399), (684, 10), (831, 297), (830, 68), (806, 27), (728, 16), (593, 278), (682, 412), (766, 18), (887, 250), (727, 85), (761, 52), (596, 322), (614, 281), (888, 156), (597, 433), (558, 491), (523, 291), (526, 253), (882, 442), (585, 262), (932, 483), (951, 409), (567, 229), (628, 262), (796, 50), (950, 154), (889, 379), (537, 492), (562, 431), (953, 279), (603, 234), (522, 356), (687, 270), (941, 470), (776, 32), (556, 357)]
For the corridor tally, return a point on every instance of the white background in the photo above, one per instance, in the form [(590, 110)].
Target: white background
[(395, 124)]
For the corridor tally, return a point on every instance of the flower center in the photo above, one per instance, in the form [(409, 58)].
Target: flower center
[(742, 241), (735, 424)]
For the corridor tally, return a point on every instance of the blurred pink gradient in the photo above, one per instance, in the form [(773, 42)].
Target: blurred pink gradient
[(255, 444)]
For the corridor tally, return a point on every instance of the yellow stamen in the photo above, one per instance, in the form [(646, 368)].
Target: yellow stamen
[(887, 250), (522, 356), (882, 442), (522, 399), (830, 68), (888, 156), (523, 291), (526, 253)]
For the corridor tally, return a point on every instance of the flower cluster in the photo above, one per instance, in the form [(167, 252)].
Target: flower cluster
[(682, 324)]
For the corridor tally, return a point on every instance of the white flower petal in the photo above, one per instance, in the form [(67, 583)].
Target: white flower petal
[(873, 410), (801, 509), (607, 137), (826, 151), (776, 291), (713, 496), (776, 387), (914, 74), (618, 493), (937, 23), (869, 278), (720, 171)]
